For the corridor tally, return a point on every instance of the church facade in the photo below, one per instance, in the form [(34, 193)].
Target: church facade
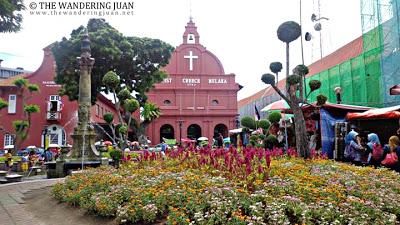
[(197, 99)]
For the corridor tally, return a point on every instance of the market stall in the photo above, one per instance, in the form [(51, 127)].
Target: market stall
[(329, 124), (383, 121)]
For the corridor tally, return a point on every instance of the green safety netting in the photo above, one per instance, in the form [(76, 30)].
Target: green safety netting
[(367, 78)]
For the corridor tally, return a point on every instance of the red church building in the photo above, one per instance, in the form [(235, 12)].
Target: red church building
[(197, 99), (58, 116)]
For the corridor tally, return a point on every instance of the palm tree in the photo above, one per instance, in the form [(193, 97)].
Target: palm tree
[(149, 113)]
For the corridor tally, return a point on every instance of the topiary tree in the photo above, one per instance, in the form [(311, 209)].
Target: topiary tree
[(321, 99), (22, 127), (253, 140), (274, 117), (109, 118), (249, 122), (264, 124), (3, 104), (314, 85), (288, 32), (270, 141), (129, 105), (275, 67)]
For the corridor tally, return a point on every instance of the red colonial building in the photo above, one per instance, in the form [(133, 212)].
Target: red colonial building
[(58, 116), (197, 98)]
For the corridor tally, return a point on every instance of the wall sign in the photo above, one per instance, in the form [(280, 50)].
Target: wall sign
[(217, 81), (167, 80), (191, 81), (50, 83)]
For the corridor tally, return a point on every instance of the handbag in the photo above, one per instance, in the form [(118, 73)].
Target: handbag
[(390, 159)]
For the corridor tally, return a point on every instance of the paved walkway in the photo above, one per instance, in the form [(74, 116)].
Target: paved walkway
[(11, 210)]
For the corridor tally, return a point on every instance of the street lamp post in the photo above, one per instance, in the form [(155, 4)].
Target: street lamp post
[(44, 133), (338, 92), (180, 131)]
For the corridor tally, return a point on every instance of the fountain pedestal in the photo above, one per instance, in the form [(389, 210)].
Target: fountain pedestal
[(83, 153), (84, 144)]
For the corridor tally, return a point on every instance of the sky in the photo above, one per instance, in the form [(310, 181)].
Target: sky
[(242, 34)]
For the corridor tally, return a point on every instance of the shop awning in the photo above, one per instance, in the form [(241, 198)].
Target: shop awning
[(383, 113), (332, 106)]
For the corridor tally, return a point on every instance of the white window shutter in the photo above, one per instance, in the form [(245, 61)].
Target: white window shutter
[(48, 106), (59, 106), (12, 104)]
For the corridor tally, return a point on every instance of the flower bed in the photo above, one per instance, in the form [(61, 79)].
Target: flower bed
[(231, 187)]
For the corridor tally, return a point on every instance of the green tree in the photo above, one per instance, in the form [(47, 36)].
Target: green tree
[(149, 113), (249, 122), (22, 127), (274, 117), (136, 61), (288, 32), (264, 124), (3, 104), (10, 16), (109, 118)]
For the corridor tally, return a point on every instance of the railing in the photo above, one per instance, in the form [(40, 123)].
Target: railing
[(53, 115)]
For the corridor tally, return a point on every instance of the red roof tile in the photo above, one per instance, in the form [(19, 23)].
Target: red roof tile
[(9, 81), (254, 97), (350, 50)]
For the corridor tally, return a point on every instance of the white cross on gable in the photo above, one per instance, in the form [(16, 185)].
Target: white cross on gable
[(191, 57)]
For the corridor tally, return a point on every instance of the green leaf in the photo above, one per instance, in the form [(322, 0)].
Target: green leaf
[(33, 87), (21, 82), (31, 108), (3, 103)]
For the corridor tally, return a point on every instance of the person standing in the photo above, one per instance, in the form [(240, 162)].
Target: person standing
[(9, 161), (220, 140), (375, 157), (164, 148)]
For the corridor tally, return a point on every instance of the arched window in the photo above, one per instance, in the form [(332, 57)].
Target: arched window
[(167, 102), (191, 39), (194, 131), (166, 131), (56, 135), (221, 128), (214, 102)]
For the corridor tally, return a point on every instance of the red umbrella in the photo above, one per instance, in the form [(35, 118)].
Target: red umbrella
[(107, 143)]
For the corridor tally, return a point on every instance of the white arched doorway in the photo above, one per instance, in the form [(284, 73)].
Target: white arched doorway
[(55, 135)]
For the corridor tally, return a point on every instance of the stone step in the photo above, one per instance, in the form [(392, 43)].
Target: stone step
[(3, 173), (14, 178)]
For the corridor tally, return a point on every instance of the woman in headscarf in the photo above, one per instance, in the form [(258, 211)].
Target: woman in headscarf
[(376, 155), (392, 147), (348, 152)]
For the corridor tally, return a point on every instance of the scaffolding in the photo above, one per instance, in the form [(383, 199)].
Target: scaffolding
[(367, 78), (381, 45)]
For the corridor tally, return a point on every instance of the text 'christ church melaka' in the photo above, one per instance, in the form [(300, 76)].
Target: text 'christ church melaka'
[(197, 99)]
